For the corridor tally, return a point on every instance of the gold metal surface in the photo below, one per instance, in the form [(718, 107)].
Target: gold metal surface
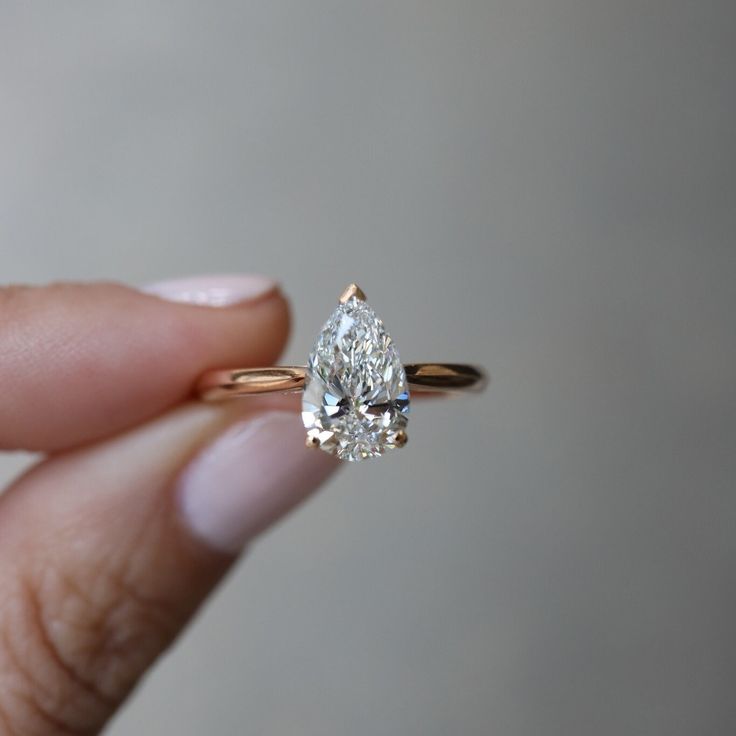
[(225, 384), (445, 377), (353, 290), (423, 378)]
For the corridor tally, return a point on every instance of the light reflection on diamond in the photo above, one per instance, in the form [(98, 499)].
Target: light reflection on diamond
[(355, 394)]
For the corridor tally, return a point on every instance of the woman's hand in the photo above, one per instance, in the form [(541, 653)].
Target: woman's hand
[(144, 498)]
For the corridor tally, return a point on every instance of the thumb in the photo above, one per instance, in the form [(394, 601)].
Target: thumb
[(106, 551)]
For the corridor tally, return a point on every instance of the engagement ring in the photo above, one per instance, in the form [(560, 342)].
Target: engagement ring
[(356, 390)]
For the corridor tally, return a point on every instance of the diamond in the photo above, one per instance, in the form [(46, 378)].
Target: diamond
[(356, 400)]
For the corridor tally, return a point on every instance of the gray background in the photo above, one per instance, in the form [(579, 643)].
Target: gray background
[(544, 186)]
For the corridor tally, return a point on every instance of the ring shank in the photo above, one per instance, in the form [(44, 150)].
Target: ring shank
[(431, 378)]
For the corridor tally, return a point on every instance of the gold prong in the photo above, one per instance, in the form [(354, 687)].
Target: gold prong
[(312, 438), (353, 290), (401, 438)]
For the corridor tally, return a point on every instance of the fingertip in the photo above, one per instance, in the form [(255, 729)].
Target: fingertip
[(83, 361), (248, 478)]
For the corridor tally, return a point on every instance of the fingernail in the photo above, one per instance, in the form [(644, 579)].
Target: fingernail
[(248, 478), (213, 291)]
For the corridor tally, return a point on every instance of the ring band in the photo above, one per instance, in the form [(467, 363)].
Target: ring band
[(431, 378), (356, 390)]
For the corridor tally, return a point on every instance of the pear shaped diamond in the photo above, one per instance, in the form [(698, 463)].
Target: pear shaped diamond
[(356, 399)]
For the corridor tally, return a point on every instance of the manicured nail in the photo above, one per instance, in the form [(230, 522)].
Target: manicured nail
[(248, 478), (213, 291)]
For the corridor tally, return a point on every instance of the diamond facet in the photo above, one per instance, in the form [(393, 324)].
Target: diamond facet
[(356, 400)]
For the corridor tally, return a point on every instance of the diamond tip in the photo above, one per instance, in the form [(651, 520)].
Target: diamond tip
[(353, 290)]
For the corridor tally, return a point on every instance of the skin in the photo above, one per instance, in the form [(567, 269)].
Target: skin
[(98, 572)]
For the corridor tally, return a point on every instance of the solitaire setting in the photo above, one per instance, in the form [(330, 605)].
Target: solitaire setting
[(356, 389), (356, 398)]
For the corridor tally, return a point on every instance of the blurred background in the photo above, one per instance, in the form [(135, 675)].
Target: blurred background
[(547, 187)]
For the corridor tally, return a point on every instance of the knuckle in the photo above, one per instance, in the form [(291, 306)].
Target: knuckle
[(72, 647), (39, 694)]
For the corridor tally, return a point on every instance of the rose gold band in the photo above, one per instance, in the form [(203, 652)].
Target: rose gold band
[(432, 378)]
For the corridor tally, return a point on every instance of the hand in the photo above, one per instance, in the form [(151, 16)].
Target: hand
[(143, 498)]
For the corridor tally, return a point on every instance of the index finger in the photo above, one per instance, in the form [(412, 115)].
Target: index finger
[(84, 361)]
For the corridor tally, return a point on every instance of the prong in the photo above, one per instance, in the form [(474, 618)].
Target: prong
[(401, 438), (353, 290), (312, 438)]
